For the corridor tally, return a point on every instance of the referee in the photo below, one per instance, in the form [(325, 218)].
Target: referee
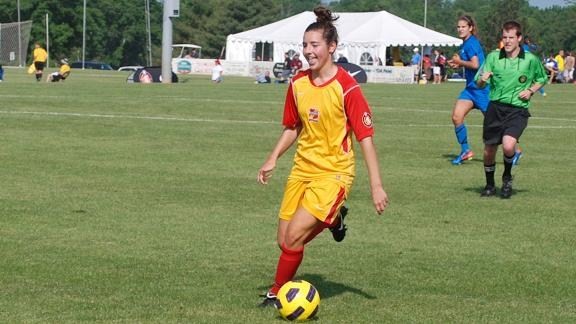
[(514, 76)]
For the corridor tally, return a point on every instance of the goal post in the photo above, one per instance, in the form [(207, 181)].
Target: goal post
[(10, 54)]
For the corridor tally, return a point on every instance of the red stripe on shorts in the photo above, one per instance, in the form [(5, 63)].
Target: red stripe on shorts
[(334, 210)]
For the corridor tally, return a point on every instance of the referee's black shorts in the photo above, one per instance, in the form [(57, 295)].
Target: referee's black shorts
[(39, 66), (502, 119)]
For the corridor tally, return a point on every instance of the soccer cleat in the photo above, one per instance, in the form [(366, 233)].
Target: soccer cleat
[(516, 158), (269, 300), (506, 191), (488, 191), (339, 230), (463, 156)]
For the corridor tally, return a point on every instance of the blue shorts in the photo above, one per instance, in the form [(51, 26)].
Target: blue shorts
[(479, 97)]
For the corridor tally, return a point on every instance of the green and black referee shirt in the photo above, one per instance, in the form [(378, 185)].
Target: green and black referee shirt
[(512, 75)]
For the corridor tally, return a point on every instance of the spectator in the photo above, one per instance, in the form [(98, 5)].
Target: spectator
[(439, 65), (263, 77), (551, 67), (560, 61), (217, 72), (296, 64), (427, 67), (341, 58), (287, 67), (569, 67), (415, 63), (62, 74)]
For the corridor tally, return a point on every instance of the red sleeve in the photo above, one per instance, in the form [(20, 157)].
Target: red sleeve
[(291, 118), (358, 112)]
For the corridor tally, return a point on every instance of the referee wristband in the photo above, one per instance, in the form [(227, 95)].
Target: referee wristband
[(531, 91)]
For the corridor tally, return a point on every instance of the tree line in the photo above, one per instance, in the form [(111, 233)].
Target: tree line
[(116, 29)]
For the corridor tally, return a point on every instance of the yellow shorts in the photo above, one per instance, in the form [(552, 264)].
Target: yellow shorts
[(320, 197)]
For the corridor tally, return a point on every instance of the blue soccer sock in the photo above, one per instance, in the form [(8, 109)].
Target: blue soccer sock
[(462, 137), (541, 90)]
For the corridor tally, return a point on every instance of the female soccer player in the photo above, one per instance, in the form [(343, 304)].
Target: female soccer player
[(324, 106), (470, 57)]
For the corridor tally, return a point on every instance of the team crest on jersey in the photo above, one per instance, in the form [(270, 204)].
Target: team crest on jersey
[(313, 115), (522, 79), (367, 119)]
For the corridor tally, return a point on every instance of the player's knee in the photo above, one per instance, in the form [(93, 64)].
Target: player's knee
[(457, 118), (293, 241)]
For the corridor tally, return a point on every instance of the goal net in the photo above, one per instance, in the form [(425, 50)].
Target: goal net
[(10, 54)]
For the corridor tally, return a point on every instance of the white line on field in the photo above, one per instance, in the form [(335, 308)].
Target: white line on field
[(449, 112), (204, 120), (138, 117)]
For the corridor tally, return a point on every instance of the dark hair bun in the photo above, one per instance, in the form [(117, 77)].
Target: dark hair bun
[(324, 15)]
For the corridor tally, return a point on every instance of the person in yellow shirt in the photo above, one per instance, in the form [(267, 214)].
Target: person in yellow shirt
[(560, 61), (62, 74), (39, 58), (324, 109)]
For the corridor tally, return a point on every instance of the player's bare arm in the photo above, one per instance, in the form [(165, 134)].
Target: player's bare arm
[(288, 137), (457, 62), (379, 196), (527, 94)]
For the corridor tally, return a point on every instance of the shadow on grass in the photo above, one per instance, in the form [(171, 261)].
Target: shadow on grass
[(479, 189), (449, 157), (329, 288)]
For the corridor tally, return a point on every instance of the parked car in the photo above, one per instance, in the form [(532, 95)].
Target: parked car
[(91, 65), (130, 68)]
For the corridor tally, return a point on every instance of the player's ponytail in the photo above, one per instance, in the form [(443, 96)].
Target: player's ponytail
[(324, 22)]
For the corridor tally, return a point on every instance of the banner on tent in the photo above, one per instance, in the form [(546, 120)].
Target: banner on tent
[(389, 74), (374, 73)]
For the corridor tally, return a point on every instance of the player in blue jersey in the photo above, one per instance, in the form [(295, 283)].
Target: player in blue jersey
[(470, 57)]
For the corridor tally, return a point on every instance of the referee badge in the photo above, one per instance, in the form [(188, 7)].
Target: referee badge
[(522, 79)]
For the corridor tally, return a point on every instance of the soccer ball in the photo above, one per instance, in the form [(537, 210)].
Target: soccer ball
[(297, 300)]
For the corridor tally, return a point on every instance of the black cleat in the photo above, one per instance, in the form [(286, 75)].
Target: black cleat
[(488, 191), (339, 230), (269, 300), (506, 191)]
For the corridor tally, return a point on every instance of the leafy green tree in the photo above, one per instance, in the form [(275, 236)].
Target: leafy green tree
[(116, 29)]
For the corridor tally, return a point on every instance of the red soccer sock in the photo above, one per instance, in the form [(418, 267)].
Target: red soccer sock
[(288, 264)]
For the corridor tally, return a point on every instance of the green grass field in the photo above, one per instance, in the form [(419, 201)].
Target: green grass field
[(133, 203)]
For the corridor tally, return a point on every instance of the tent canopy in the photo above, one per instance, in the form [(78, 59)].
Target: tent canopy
[(362, 34)]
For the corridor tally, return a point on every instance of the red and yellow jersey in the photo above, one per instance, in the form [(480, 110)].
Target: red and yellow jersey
[(327, 114), (39, 55)]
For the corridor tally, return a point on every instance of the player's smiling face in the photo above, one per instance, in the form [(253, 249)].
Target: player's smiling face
[(316, 51)]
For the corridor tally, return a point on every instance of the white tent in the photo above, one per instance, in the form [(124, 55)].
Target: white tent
[(363, 36)]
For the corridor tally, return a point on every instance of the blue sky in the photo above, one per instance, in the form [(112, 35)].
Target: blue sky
[(546, 3), (536, 3)]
